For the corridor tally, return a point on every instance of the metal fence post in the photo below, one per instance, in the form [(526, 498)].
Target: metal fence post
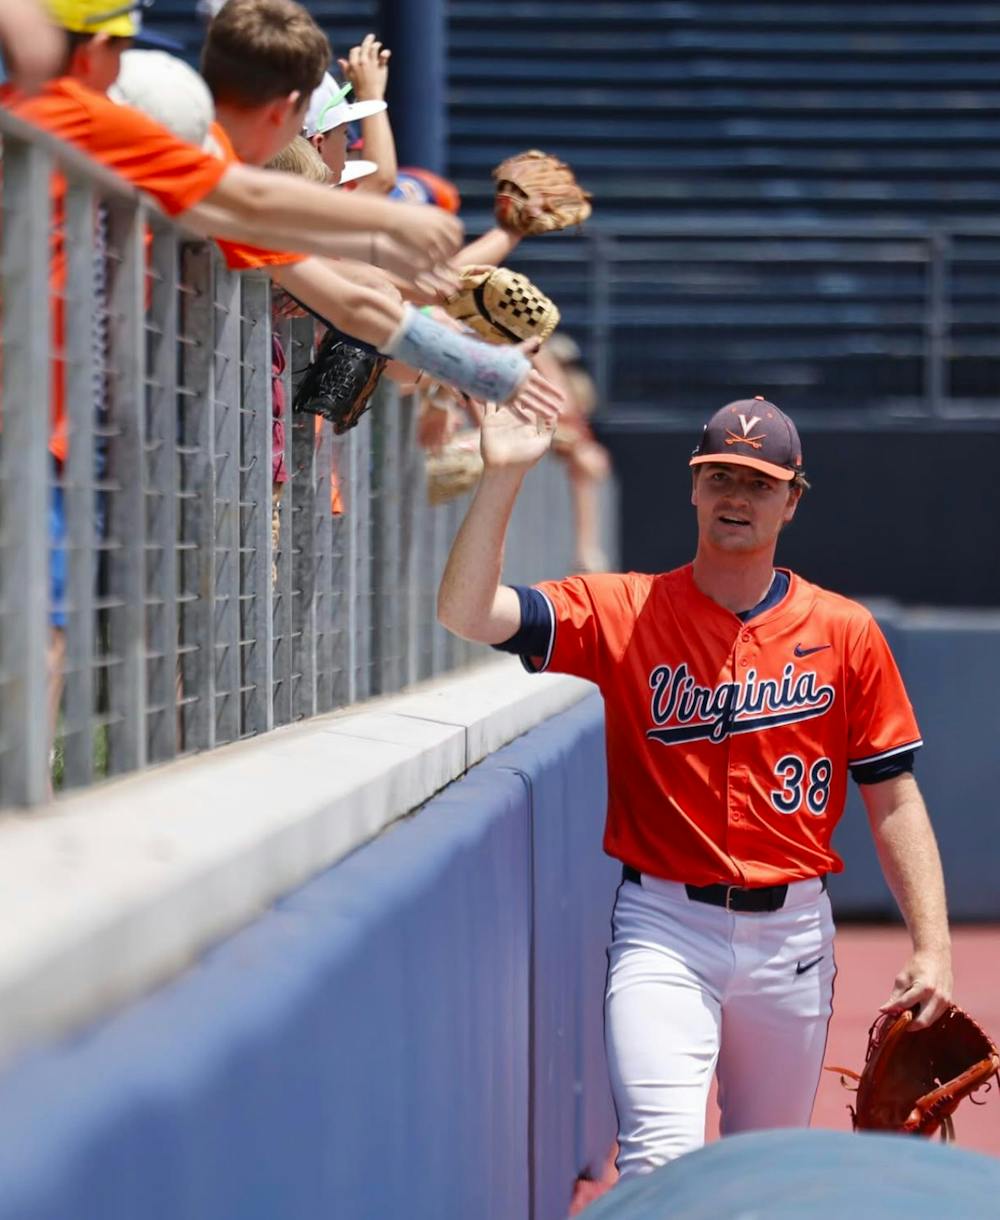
[(24, 465), (413, 506), (360, 581), (256, 604), (384, 430), (81, 211), (341, 588), (281, 619), (197, 427), (227, 499), (161, 499), (126, 509), (302, 476), (324, 598)]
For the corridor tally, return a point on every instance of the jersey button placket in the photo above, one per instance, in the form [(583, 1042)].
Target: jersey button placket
[(735, 779), (738, 787)]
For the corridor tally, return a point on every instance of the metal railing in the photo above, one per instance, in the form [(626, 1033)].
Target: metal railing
[(676, 315), (186, 624)]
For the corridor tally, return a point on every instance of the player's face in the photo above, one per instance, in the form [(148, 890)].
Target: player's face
[(740, 509)]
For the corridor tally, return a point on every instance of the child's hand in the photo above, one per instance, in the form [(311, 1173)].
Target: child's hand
[(367, 68)]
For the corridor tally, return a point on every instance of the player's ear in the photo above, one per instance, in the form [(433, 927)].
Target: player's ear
[(794, 496), (694, 486)]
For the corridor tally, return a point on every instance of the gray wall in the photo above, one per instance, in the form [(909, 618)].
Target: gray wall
[(906, 510)]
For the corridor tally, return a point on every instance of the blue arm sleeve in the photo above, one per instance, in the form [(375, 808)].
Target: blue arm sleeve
[(534, 637), (886, 768)]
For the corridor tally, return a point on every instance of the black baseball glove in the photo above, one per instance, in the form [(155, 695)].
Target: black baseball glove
[(339, 383)]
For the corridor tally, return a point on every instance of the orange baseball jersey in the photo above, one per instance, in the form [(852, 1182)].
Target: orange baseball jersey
[(728, 742), (239, 256), (175, 174)]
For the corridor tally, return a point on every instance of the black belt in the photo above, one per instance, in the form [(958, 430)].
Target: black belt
[(732, 897)]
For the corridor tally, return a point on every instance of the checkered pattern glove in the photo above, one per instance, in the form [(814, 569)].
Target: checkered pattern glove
[(502, 306)]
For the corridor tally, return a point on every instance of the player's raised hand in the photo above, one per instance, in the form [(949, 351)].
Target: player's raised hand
[(518, 433)]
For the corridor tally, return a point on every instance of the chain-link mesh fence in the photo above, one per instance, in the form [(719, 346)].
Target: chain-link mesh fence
[(173, 575)]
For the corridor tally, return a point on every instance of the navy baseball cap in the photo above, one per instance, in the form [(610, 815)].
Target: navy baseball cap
[(752, 432)]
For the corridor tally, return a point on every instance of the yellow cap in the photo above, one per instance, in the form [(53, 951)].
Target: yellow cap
[(120, 19)]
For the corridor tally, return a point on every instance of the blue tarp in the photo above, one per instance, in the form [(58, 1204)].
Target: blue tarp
[(812, 1175)]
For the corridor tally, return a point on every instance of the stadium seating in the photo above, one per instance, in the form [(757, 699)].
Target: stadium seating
[(771, 174), (726, 109), (345, 24), (769, 180)]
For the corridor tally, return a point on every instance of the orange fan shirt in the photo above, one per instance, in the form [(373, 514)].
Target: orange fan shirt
[(728, 742), (238, 256), (177, 175)]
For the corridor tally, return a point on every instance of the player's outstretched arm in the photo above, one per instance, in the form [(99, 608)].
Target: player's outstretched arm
[(472, 603), (908, 853), (283, 212)]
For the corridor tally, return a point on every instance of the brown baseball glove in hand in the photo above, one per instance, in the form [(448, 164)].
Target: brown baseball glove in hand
[(537, 193), (455, 469), (502, 306), (914, 1080), (339, 383)]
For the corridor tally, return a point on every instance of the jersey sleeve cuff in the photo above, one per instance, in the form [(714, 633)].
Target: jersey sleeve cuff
[(534, 639), (875, 758), (878, 768)]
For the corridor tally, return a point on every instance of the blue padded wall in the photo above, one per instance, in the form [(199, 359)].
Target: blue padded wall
[(360, 1051), (384, 1042), (574, 886)]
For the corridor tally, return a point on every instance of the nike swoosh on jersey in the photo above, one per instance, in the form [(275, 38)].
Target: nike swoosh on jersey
[(807, 652), (801, 968)]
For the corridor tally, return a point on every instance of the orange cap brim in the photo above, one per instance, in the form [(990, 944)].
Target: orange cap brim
[(731, 459)]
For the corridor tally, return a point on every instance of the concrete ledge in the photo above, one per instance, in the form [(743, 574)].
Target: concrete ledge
[(107, 893)]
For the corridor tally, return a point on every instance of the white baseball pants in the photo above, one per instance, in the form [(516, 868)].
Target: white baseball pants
[(693, 988)]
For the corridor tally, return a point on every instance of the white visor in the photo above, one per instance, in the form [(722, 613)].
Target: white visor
[(354, 170)]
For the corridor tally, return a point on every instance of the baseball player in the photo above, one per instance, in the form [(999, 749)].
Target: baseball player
[(739, 699)]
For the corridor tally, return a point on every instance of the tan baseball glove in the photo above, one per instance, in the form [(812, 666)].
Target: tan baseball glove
[(502, 306), (455, 469), (913, 1081), (537, 193)]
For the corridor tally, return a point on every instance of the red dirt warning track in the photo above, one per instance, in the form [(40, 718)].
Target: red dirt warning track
[(867, 961)]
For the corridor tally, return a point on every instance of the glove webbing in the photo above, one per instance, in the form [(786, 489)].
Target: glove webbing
[(479, 296)]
